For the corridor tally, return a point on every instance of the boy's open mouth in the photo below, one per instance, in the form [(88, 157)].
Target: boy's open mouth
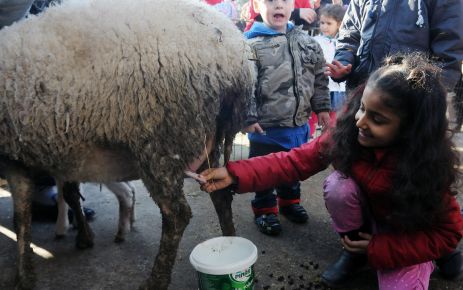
[(278, 16)]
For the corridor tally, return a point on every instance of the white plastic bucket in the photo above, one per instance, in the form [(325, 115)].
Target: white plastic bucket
[(225, 263)]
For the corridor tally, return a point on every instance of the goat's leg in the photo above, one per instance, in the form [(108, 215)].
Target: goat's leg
[(222, 200), (176, 214), (62, 221), (21, 187), (125, 195), (71, 195)]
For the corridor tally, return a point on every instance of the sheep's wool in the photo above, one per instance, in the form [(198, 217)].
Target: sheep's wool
[(88, 85)]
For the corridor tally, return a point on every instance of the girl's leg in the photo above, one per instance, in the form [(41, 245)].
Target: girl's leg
[(345, 204), (414, 277)]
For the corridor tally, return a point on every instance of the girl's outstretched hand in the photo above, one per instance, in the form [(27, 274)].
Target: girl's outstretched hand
[(337, 70), (357, 246), (216, 178)]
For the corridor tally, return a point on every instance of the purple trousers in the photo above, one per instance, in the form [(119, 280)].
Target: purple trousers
[(347, 208)]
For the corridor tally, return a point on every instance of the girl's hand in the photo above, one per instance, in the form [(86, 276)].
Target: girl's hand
[(337, 70), (324, 120), (254, 128), (357, 246), (216, 178)]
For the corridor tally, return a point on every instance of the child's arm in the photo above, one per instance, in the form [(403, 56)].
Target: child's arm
[(263, 172)]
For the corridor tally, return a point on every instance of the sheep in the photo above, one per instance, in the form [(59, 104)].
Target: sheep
[(125, 194), (101, 90)]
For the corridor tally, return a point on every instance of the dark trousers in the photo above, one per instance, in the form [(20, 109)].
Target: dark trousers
[(265, 202)]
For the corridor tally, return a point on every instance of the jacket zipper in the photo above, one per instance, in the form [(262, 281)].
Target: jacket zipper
[(295, 90)]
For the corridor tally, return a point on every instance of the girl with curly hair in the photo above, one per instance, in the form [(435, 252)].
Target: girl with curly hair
[(390, 195)]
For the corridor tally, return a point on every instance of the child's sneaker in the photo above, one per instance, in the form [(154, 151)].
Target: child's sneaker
[(295, 213), (269, 224)]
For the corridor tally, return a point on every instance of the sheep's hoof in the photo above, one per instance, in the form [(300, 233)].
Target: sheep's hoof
[(84, 242), (82, 245), (147, 286), (25, 283), (119, 239)]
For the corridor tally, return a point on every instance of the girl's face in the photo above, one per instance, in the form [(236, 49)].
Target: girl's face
[(329, 26), (378, 124)]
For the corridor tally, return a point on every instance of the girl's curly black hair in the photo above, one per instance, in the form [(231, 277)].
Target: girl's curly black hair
[(427, 164)]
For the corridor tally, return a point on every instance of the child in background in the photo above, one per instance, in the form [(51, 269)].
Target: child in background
[(291, 83), (389, 197), (227, 7), (330, 21)]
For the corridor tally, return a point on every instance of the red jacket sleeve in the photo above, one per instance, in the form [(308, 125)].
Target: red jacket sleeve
[(393, 250), (260, 173)]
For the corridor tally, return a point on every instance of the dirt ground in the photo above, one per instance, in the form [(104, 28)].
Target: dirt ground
[(292, 260)]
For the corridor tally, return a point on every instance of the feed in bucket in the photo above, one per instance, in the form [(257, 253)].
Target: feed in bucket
[(225, 263)]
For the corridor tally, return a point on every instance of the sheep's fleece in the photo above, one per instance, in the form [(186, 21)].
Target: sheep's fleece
[(148, 74), (104, 90)]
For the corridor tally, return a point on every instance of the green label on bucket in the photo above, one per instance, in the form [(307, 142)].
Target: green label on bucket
[(241, 280)]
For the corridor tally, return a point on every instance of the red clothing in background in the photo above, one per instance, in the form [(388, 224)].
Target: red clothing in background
[(213, 2)]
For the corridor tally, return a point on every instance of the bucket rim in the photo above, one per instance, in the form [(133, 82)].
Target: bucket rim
[(228, 268)]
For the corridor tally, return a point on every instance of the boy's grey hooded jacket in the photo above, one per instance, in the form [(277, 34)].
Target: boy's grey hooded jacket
[(373, 29), (290, 79)]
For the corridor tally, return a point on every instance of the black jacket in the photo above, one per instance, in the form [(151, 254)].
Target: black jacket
[(373, 29)]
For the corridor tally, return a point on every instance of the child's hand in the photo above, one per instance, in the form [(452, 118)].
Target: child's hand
[(254, 128), (216, 178), (357, 246), (337, 70), (324, 120), (308, 15)]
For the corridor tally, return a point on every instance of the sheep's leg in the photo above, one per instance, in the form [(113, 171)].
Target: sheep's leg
[(125, 194), (62, 221), (132, 214), (222, 200), (21, 187), (176, 214), (71, 195)]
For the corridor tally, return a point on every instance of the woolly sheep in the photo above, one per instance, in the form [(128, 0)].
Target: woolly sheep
[(103, 90)]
